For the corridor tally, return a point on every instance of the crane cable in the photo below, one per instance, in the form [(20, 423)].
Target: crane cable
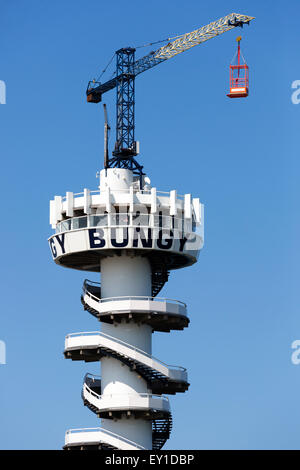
[(137, 47), (158, 42), (104, 70)]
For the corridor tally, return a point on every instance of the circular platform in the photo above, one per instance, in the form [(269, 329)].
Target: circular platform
[(161, 314), (83, 248), (139, 405), (97, 439)]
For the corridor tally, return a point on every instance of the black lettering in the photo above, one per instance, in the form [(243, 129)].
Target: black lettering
[(113, 238), (53, 248), (61, 242), (182, 242), (146, 242), (167, 243), (96, 238)]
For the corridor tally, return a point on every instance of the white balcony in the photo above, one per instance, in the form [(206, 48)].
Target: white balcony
[(98, 436), (126, 402)]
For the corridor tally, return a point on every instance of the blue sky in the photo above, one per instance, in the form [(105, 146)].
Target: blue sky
[(241, 157)]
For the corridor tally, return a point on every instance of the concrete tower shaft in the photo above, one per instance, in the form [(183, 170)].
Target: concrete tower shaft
[(126, 275)]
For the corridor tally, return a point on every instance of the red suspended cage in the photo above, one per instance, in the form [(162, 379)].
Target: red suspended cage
[(239, 75)]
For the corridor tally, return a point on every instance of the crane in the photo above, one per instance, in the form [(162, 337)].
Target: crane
[(127, 68)]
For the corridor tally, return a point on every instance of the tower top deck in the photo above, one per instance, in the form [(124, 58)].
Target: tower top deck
[(120, 216)]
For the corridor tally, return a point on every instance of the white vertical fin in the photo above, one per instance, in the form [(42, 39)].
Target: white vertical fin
[(197, 209), (131, 196), (70, 204), (173, 197), (153, 201), (53, 219), (58, 208), (86, 201), (187, 206), (202, 221), (108, 200)]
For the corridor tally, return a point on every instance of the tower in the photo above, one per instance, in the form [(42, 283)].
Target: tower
[(134, 235)]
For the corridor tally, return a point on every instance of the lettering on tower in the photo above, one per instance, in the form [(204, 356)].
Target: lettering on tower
[(123, 237)]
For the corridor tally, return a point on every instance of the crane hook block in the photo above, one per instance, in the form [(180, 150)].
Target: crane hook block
[(239, 75)]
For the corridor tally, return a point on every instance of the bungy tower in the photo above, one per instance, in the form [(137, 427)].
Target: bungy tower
[(134, 235)]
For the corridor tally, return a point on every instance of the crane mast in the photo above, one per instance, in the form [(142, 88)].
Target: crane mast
[(126, 148), (106, 130)]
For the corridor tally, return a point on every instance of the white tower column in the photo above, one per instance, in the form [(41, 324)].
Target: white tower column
[(126, 275)]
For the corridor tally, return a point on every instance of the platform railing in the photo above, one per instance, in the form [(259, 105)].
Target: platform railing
[(127, 345), (91, 378), (126, 395), (104, 431), (124, 191), (125, 297), (127, 220)]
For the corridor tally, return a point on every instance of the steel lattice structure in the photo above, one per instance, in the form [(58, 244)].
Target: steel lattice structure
[(124, 81)]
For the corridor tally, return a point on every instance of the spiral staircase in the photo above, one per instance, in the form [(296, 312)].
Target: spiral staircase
[(160, 378), (161, 425)]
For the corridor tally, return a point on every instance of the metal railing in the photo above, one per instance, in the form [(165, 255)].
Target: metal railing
[(87, 282), (129, 346), (105, 431), (125, 297), (75, 195), (126, 220), (91, 377), (124, 191), (134, 395)]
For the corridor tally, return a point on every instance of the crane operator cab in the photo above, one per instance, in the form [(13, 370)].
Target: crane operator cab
[(239, 75)]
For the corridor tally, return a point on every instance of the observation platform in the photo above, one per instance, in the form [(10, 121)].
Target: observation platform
[(166, 228)]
